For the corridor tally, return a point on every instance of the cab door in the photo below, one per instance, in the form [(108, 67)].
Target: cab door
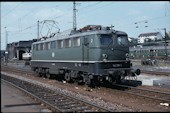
[(85, 49)]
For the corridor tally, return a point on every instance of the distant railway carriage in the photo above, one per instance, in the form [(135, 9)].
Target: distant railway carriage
[(26, 56), (90, 55), (154, 51)]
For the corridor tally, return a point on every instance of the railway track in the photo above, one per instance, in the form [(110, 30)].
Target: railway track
[(146, 93), (54, 100), (156, 72), (16, 70)]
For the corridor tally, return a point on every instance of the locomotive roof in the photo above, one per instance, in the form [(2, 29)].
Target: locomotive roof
[(79, 34)]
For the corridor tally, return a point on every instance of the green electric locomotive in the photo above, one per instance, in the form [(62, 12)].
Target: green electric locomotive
[(92, 54)]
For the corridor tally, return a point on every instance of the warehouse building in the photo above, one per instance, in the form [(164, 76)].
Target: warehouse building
[(16, 49)]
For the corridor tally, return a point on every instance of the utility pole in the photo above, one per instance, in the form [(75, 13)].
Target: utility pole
[(6, 52), (74, 16), (165, 45), (38, 29)]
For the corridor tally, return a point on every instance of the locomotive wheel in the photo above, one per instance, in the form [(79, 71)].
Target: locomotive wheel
[(81, 80), (48, 75), (117, 77), (40, 75), (38, 71), (68, 77), (87, 81), (118, 81)]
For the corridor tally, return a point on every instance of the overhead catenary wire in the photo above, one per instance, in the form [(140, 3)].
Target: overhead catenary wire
[(23, 17), (155, 18), (68, 13), (86, 7), (27, 14), (94, 9), (21, 30), (140, 21), (12, 10), (29, 27), (125, 17)]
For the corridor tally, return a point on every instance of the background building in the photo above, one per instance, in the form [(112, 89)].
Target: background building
[(16, 49), (149, 37), (132, 41)]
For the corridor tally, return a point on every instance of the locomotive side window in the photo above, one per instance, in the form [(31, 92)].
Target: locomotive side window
[(106, 39), (67, 42), (34, 47), (37, 47), (76, 41), (41, 46), (60, 43), (47, 45), (53, 44)]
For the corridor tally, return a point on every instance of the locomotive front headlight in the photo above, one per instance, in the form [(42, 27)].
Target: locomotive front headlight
[(127, 59), (127, 56), (104, 55)]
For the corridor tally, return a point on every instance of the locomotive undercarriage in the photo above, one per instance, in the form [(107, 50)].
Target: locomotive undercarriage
[(112, 76), (89, 74)]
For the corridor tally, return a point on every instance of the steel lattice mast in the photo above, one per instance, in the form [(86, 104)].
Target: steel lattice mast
[(74, 15)]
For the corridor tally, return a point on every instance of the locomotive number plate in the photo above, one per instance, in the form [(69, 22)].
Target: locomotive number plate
[(117, 65)]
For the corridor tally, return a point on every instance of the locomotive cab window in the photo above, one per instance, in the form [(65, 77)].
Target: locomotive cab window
[(106, 39)]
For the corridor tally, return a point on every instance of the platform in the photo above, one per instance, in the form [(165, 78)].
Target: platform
[(14, 100)]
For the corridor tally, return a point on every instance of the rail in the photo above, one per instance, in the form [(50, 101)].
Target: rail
[(146, 93)]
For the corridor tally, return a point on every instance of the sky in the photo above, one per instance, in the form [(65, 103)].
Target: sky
[(19, 19)]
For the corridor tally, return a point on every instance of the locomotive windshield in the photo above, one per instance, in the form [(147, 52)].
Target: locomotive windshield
[(108, 39), (122, 40)]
